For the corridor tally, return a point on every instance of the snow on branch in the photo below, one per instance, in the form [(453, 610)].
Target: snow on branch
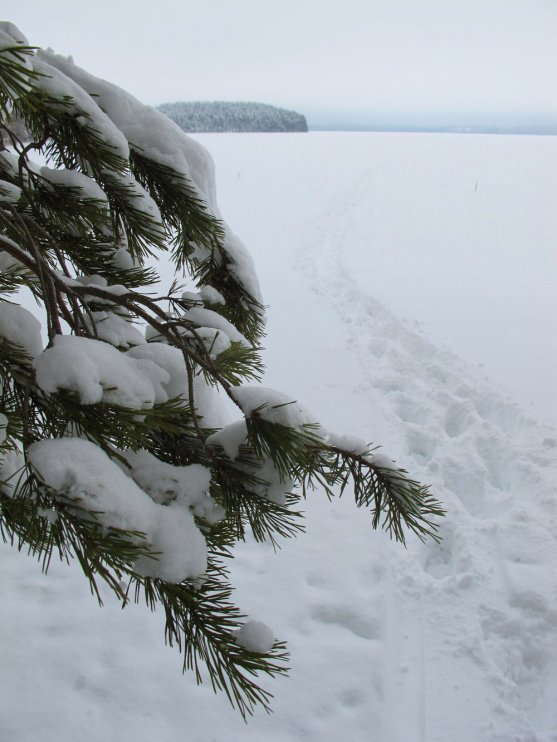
[(116, 447)]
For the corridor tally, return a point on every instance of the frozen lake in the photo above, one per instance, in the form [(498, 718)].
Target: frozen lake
[(455, 232)]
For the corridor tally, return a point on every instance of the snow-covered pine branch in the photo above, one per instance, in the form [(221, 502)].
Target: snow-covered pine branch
[(115, 448)]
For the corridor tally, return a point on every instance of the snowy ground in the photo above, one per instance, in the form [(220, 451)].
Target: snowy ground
[(352, 233)]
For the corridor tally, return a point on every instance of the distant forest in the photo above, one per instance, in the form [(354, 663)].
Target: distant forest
[(204, 116)]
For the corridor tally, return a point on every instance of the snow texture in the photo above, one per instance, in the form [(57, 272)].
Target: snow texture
[(83, 474), (123, 259), (9, 193), (9, 163), (19, 326), (208, 318), (158, 138), (10, 36), (168, 358), (270, 484), (187, 486), (11, 466), (209, 406), (140, 199), (86, 109), (210, 295), (273, 406), (98, 372), (87, 187), (255, 636), (3, 427), (116, 329), (230, 438)]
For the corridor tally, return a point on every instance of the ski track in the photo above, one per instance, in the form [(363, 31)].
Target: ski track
[(494, 470)]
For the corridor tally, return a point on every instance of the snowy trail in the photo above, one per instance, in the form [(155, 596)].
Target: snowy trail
[(494, 469)]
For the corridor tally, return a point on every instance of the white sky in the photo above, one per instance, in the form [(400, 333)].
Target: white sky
[(384, 56)]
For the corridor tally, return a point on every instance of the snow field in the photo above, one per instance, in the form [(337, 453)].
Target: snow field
[(425, 644), (468, 619)]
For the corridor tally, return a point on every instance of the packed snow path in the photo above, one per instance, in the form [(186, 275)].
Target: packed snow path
[(452, 641), (495, 470)]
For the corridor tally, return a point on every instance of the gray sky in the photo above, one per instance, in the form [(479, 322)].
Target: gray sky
[(405, 57)]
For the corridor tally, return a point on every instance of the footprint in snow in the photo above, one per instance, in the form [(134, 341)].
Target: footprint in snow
[(362, 625)]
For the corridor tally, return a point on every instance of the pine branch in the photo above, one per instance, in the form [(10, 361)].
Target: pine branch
[(15, 76), (61, 234), (201, 621)]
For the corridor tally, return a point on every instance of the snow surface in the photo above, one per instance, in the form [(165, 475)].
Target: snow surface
[(426, 644)]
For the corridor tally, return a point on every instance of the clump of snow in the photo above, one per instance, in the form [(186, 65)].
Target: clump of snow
[(3, 427), (20, 327), (9, 264), (140, 199), (381, 461), (192, 298), (182, 551), (255, 636), (215, 341), (89, 188), (207, 403), (9, 163), (51, 514), (123, 259), (78, 470), (208, 318), (9, 193), (161, 140), (98, 372), (117, 289), (116, 329), (242, 265), (270, 483), (273, 406), (350, 443), (93, 280), (10, 35), (230, 438), (210, 295), (86, 111), (188, 486), (168, 358), (11, 464)]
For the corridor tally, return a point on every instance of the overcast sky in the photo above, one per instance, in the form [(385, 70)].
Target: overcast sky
[(404, 57)]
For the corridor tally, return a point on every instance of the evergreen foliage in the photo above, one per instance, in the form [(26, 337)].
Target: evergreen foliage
[(79, 236), (234, 116)]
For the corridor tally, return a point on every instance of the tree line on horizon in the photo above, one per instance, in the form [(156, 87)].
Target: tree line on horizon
[(228, 116)]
